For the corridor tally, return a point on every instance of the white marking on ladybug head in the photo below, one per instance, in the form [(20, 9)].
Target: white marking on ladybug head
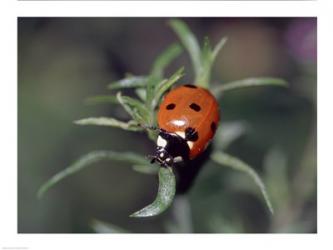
[(178, 123), (190, 144), (181, 134), (162, 155), (161, 142)]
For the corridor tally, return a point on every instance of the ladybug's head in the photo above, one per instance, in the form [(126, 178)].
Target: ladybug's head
[(171, 148), (162, 157)]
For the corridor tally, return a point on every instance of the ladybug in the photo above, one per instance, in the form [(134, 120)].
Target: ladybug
[(187, 119)]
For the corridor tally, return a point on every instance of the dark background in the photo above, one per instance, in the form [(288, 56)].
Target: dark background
[(62, 61)]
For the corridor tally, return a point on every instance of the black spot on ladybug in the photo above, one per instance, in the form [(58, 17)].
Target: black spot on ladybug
[(170, 106), (213, 127), (191, 134), (195, 107), (190, 86)]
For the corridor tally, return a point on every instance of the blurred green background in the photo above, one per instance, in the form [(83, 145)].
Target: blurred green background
[(62, 61)]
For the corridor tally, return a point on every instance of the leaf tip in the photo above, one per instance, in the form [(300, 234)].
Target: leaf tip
[(271, 209), (111, 86), (278, 82), (78, 122), (119, 95), (139, 214), (173, 21), (40, 192), (133, 215), (284, 83)]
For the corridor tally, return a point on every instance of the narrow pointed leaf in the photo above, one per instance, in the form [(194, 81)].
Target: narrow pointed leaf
[(165, 195), (141, 93), (218, 47), (129, 82), (250, 82), (88, 160), (109, 121), (134, 108), (189, 42), (165, 59), (228, 132), (206, 54), (235, 163), (150, 89), (157, 71), (101, 99), (208, 57), (167, 84), (172, 80), (203, 77), (137, 105)]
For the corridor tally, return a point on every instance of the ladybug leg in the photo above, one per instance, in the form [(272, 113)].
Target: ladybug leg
[(191, 134), (152, 158)]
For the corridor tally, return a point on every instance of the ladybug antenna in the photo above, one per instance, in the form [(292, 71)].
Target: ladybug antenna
[(152, 158)]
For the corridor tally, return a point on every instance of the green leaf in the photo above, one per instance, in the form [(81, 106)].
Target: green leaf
[(202, 78), (152, 135), (109, 121), (87, 160), (202, 60), (101, 99), (150, 89), (136, 105), (145, 169), (106, 228), (218, 47), (134, 108), (165, 59), (250, 82), (189, 42), (233, 162), (167, 84), (129, 82), (276, 175), (208, 57), (141, 93), (157, 72), (228, 132), (165, 195), (207, 61)]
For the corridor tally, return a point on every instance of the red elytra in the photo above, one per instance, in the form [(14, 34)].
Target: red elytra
[(190, 106)]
